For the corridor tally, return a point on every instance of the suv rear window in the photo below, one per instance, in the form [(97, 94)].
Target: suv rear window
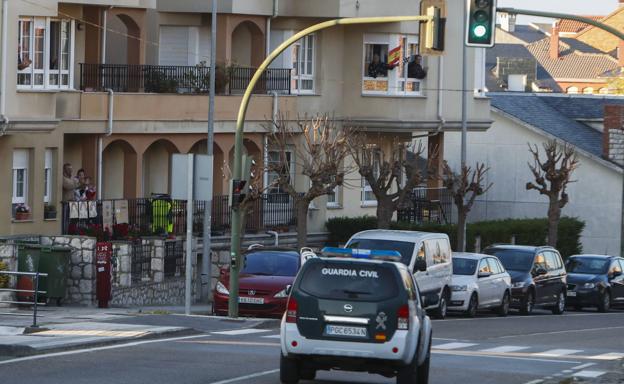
[(406, 249), (349, 281)]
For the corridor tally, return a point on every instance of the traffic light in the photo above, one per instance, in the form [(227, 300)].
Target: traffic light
[(480, 23), (434, 35), (238, 192)]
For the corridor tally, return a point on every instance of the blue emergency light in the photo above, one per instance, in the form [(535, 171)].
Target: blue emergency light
[(356, 253)]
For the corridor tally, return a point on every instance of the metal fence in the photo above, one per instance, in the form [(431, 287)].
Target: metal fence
[(428, 205), (272, 80), (141, 261), (174, 258), (35, 292)]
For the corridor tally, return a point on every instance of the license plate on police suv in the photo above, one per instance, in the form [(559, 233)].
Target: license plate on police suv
[(571, 293), (339, 330), (251, 300)]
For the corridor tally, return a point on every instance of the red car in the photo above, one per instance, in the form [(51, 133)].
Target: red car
[(263, 279)]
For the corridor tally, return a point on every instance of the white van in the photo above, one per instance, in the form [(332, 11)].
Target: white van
[(427, 255)]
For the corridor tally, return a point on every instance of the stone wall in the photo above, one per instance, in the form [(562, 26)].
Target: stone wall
[(613, 133), (516, 66), (168, 292), (8, 255)]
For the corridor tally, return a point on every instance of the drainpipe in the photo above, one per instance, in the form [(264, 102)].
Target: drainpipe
[(267, 45), (104, 35), (109, 131), (4, 120)]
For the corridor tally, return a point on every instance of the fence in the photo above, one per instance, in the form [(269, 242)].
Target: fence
[(428, 205), (134, 218), (35, 291), (272, 80), (174, 258), (141, 261)]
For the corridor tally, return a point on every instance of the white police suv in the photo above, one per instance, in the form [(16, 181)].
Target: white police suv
[(355, 310)]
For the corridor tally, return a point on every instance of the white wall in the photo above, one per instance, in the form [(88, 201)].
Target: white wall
[(596, 197)]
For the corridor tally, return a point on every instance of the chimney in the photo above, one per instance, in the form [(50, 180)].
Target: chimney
[(621, 3), (508, 22), (613, 134), (554, 41)]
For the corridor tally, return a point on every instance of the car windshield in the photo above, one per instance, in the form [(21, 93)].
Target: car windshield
[(349, 281), (513, 259), (271, 263), (464, 267), (406, 249), (587, 265)]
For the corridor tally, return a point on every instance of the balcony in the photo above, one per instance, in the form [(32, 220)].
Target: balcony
[(428, 205), (179, 79)]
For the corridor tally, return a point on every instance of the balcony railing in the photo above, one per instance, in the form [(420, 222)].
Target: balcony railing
[(134, 218), (178, 79), (428, 205)]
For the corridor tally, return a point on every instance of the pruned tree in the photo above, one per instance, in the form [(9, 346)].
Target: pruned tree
[(387, 169), (552, 176), (465, 187), (320, 148)]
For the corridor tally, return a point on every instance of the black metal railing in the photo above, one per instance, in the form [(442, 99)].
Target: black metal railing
[(141, 261), (144, 78), (174, 258), (159, 216), (428, 205), (272, 80)]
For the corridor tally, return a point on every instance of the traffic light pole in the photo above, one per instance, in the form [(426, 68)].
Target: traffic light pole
[(235, 261)]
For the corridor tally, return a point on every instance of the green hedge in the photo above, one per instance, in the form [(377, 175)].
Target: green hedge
[(526, 231)]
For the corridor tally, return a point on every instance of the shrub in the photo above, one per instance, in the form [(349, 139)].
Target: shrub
[(342, 228)]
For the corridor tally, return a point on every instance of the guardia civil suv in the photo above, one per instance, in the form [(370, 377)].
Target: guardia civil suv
[(355, 310)]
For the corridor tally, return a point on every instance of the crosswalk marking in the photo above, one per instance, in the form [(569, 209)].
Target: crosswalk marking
[(272, 337), (448, 346), (505, 349), (558, 352), (589, 374), (237, 332), (608, 356)]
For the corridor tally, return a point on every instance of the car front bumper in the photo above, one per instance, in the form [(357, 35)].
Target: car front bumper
[(272, 307), (589, 298), (459, 301)]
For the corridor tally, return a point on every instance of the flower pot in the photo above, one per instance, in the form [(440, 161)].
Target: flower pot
[(21, 216)]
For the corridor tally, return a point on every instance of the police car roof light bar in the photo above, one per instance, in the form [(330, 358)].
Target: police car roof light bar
[(356, 253)]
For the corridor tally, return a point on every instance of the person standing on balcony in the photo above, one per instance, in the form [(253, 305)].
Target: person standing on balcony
[(415, 69), (69, 183)]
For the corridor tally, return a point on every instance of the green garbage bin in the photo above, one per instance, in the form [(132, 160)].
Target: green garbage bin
[(28, 256), (55, 262)]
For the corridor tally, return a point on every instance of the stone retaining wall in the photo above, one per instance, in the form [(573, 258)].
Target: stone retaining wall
[(168, 292)]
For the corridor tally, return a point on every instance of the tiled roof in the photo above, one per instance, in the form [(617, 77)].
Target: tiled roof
[(573, 26), (572, 62), (557, 115)]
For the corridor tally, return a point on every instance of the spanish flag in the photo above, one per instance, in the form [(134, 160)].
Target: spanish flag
[(394, 56)]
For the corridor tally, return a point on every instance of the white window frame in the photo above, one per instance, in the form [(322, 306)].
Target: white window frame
[(47, 176), (409, 40), (336, 203), (270, 180), (300, 51), (480, 68), (20, 164), (46, 71), (366, 188)]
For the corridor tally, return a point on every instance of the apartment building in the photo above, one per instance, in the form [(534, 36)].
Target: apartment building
[(116, 87)]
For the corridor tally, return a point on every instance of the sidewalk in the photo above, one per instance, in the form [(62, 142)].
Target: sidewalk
[(65, 328)]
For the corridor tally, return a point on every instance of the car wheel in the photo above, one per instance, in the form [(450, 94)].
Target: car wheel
[(503, 310), (526, 306), (473, 304), (408, 374), (308, 374), (605, 302), (289, 370), (559, 308), (422, 373), (440, 312)]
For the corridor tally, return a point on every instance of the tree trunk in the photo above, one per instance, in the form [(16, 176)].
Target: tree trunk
[(461, 229), (385, 210), (302, 222), (554, 214)]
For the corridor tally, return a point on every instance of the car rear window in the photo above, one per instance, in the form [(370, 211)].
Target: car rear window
[(406, 249), (271, 263), (349, 281), (464, 267), (587, 265), (513, 259)]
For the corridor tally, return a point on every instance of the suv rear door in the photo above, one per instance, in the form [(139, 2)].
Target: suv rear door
[(348, 300)]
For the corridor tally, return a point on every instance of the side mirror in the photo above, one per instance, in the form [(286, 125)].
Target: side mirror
[(484, 274), (540, 271), (616, 274), (288, 289), (421, 265)]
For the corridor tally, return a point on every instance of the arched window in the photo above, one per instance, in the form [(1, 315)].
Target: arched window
[(603, 91), (588, 90), (572, 90)]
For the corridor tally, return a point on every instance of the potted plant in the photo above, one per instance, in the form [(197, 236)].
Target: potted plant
[(49, 212), (22, 212)]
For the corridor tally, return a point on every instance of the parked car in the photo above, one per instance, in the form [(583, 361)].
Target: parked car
[(538, 276), (263, 278), (427, 255), (595, 281), (479, 282), (352, 314)]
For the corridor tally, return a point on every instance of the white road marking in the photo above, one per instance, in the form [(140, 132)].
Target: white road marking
[(238, 332), (589, 374), (95, 349), (253, 375), (558, 375), (567, 371), (513, 357), (443, 339), (608, 356), (558, 352), (583, 366), (505, 349), (534, 381), (272, 337), (559, 332), (448, 346)]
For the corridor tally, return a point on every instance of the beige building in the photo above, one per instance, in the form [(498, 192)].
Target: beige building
[(115, 87)]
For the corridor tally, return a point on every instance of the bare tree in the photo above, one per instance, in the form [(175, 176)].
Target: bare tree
[(320, 148), (465, 187), (552, 176), (391, 175)]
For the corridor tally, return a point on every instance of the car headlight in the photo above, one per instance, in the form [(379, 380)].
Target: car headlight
[(221, 289), (459, 288), (519, 284), (589, 285), (281, 294)]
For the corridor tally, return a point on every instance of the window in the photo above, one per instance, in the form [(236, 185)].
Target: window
[(551, 261), (284, 171), (445, 252), (437, 250), (333, 198), (303, 65), (420, 256), (484, 266), (494, 267), (588, 90), (45, 53), (368, 197), (409, 284), (603, 91), (20, 176), (572, 90), (47, 176)]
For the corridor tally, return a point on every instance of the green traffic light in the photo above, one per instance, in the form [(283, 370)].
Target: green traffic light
[(479, 31)]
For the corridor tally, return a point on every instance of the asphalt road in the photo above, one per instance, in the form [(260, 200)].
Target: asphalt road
[(513, 350)]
